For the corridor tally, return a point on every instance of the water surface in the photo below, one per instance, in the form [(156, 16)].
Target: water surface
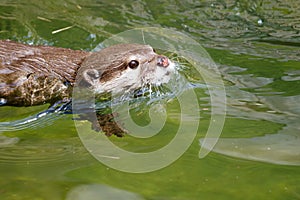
[(255, 45)]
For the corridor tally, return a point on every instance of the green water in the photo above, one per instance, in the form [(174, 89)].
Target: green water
[(255, 45)]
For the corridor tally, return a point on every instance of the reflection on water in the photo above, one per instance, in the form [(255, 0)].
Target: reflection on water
[(100, 192), (7, 141), (239, 25), (281, 147)]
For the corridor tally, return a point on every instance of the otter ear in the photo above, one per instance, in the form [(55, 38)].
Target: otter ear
[(91, 76)]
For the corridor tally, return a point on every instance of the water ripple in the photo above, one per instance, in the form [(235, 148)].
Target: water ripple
[(39, 120), (42, 152)]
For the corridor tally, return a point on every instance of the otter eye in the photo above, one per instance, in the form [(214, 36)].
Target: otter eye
[(133, 64)]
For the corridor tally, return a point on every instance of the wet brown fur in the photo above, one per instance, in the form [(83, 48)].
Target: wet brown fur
[(31, 75)]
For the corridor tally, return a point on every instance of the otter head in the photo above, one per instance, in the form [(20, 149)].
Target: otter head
[(125, 67)]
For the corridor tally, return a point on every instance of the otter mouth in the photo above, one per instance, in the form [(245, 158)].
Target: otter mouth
[(159, 74)]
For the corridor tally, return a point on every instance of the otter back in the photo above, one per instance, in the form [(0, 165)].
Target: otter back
[(31, 75)]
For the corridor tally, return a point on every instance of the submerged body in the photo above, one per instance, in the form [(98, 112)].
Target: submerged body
[(32, 75)]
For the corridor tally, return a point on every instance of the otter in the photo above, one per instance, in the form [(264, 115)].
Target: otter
[(33, 75)]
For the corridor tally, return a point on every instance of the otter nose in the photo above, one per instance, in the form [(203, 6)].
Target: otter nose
[(162, 61)]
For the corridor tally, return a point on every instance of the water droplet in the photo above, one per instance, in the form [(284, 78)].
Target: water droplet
[(2, 101)]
